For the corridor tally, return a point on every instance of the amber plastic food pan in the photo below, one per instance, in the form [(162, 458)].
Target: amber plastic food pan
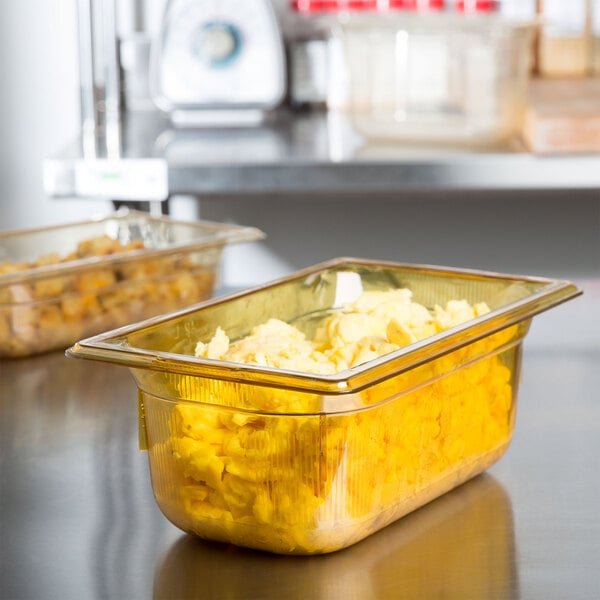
[(64, 282), (298, 463)]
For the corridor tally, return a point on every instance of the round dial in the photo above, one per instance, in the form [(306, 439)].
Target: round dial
[(217, 43), (218, 53)]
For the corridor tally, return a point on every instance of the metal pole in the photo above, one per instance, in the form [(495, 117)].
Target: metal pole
[(88, 96), (112, 83)]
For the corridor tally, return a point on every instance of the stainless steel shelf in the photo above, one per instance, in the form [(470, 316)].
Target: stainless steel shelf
[(304, 153)]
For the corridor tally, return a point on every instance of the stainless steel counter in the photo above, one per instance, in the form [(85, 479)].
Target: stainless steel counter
[(78, 521), (298, 154)]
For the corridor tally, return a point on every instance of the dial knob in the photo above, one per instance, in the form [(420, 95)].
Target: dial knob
[(217, 44)]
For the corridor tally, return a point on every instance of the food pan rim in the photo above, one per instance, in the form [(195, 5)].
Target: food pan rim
[(224, 233), (109, 346)]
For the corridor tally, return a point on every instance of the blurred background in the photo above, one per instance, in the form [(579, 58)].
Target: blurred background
[(443, 218), (40, 107)]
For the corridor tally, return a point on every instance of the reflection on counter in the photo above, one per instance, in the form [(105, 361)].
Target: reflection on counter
[(48, 395), (462, 544)]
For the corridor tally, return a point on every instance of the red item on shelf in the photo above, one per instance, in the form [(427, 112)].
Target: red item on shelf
[(476, 6), (317, 6), (417, 5)]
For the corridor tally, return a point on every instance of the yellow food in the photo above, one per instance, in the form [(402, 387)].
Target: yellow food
[(376, 324), (284, 477), (54, 311)]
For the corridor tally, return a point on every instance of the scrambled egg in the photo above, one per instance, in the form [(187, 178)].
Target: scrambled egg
[(377, 323), (310, 482), (41, 314)]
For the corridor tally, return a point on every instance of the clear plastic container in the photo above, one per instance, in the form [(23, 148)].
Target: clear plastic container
[(63, 282), (299, 463), (436, 77)]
